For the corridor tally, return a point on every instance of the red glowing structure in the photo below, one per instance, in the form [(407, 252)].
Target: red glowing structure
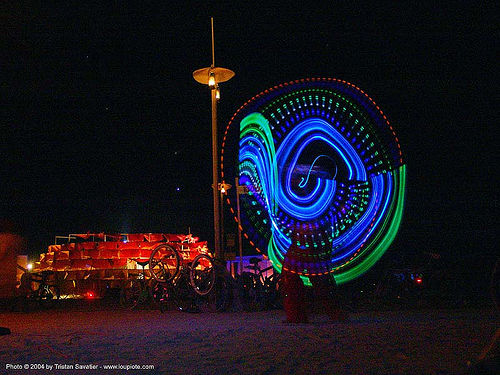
[(92, 263)]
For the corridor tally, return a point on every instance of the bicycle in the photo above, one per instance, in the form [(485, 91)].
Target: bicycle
[(213, 283), (186, 282), (44, 292), (140, 290), (258, 289)]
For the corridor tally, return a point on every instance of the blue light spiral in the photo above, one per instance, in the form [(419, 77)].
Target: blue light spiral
[(325, 174)]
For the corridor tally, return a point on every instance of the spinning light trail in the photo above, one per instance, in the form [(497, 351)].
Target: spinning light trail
[(324, 170)]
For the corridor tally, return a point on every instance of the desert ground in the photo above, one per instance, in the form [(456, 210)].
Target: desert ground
[(149, 342)]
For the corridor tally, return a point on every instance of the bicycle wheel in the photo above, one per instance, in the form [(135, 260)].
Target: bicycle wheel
[(202, 274), (250, 291), (183, 296), (221, 297), (164, 263), (137, 294), (159, 293)]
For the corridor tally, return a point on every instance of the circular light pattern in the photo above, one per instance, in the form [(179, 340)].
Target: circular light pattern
[(325, 177)]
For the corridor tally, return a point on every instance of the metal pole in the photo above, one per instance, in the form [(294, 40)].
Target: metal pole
[(221, 224), (240, 244), (215, 171), (213, 41), (215, 177), (212, 76)]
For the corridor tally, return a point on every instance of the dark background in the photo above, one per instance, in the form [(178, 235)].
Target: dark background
[(104, 129)]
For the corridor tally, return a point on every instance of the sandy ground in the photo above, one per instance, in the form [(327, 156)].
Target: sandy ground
[(407, 342)]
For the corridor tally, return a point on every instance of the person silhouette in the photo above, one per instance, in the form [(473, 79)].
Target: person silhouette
[(311, 262)]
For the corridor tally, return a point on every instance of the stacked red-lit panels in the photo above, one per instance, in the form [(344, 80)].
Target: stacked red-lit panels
[(114, 254)]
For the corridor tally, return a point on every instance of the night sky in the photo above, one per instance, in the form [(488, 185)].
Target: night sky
[(103, 127)]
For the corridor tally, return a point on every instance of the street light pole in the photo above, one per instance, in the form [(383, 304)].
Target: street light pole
[(215, 177), (212, 76)]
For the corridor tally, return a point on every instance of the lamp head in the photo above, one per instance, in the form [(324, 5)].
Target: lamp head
[(211, 80)]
